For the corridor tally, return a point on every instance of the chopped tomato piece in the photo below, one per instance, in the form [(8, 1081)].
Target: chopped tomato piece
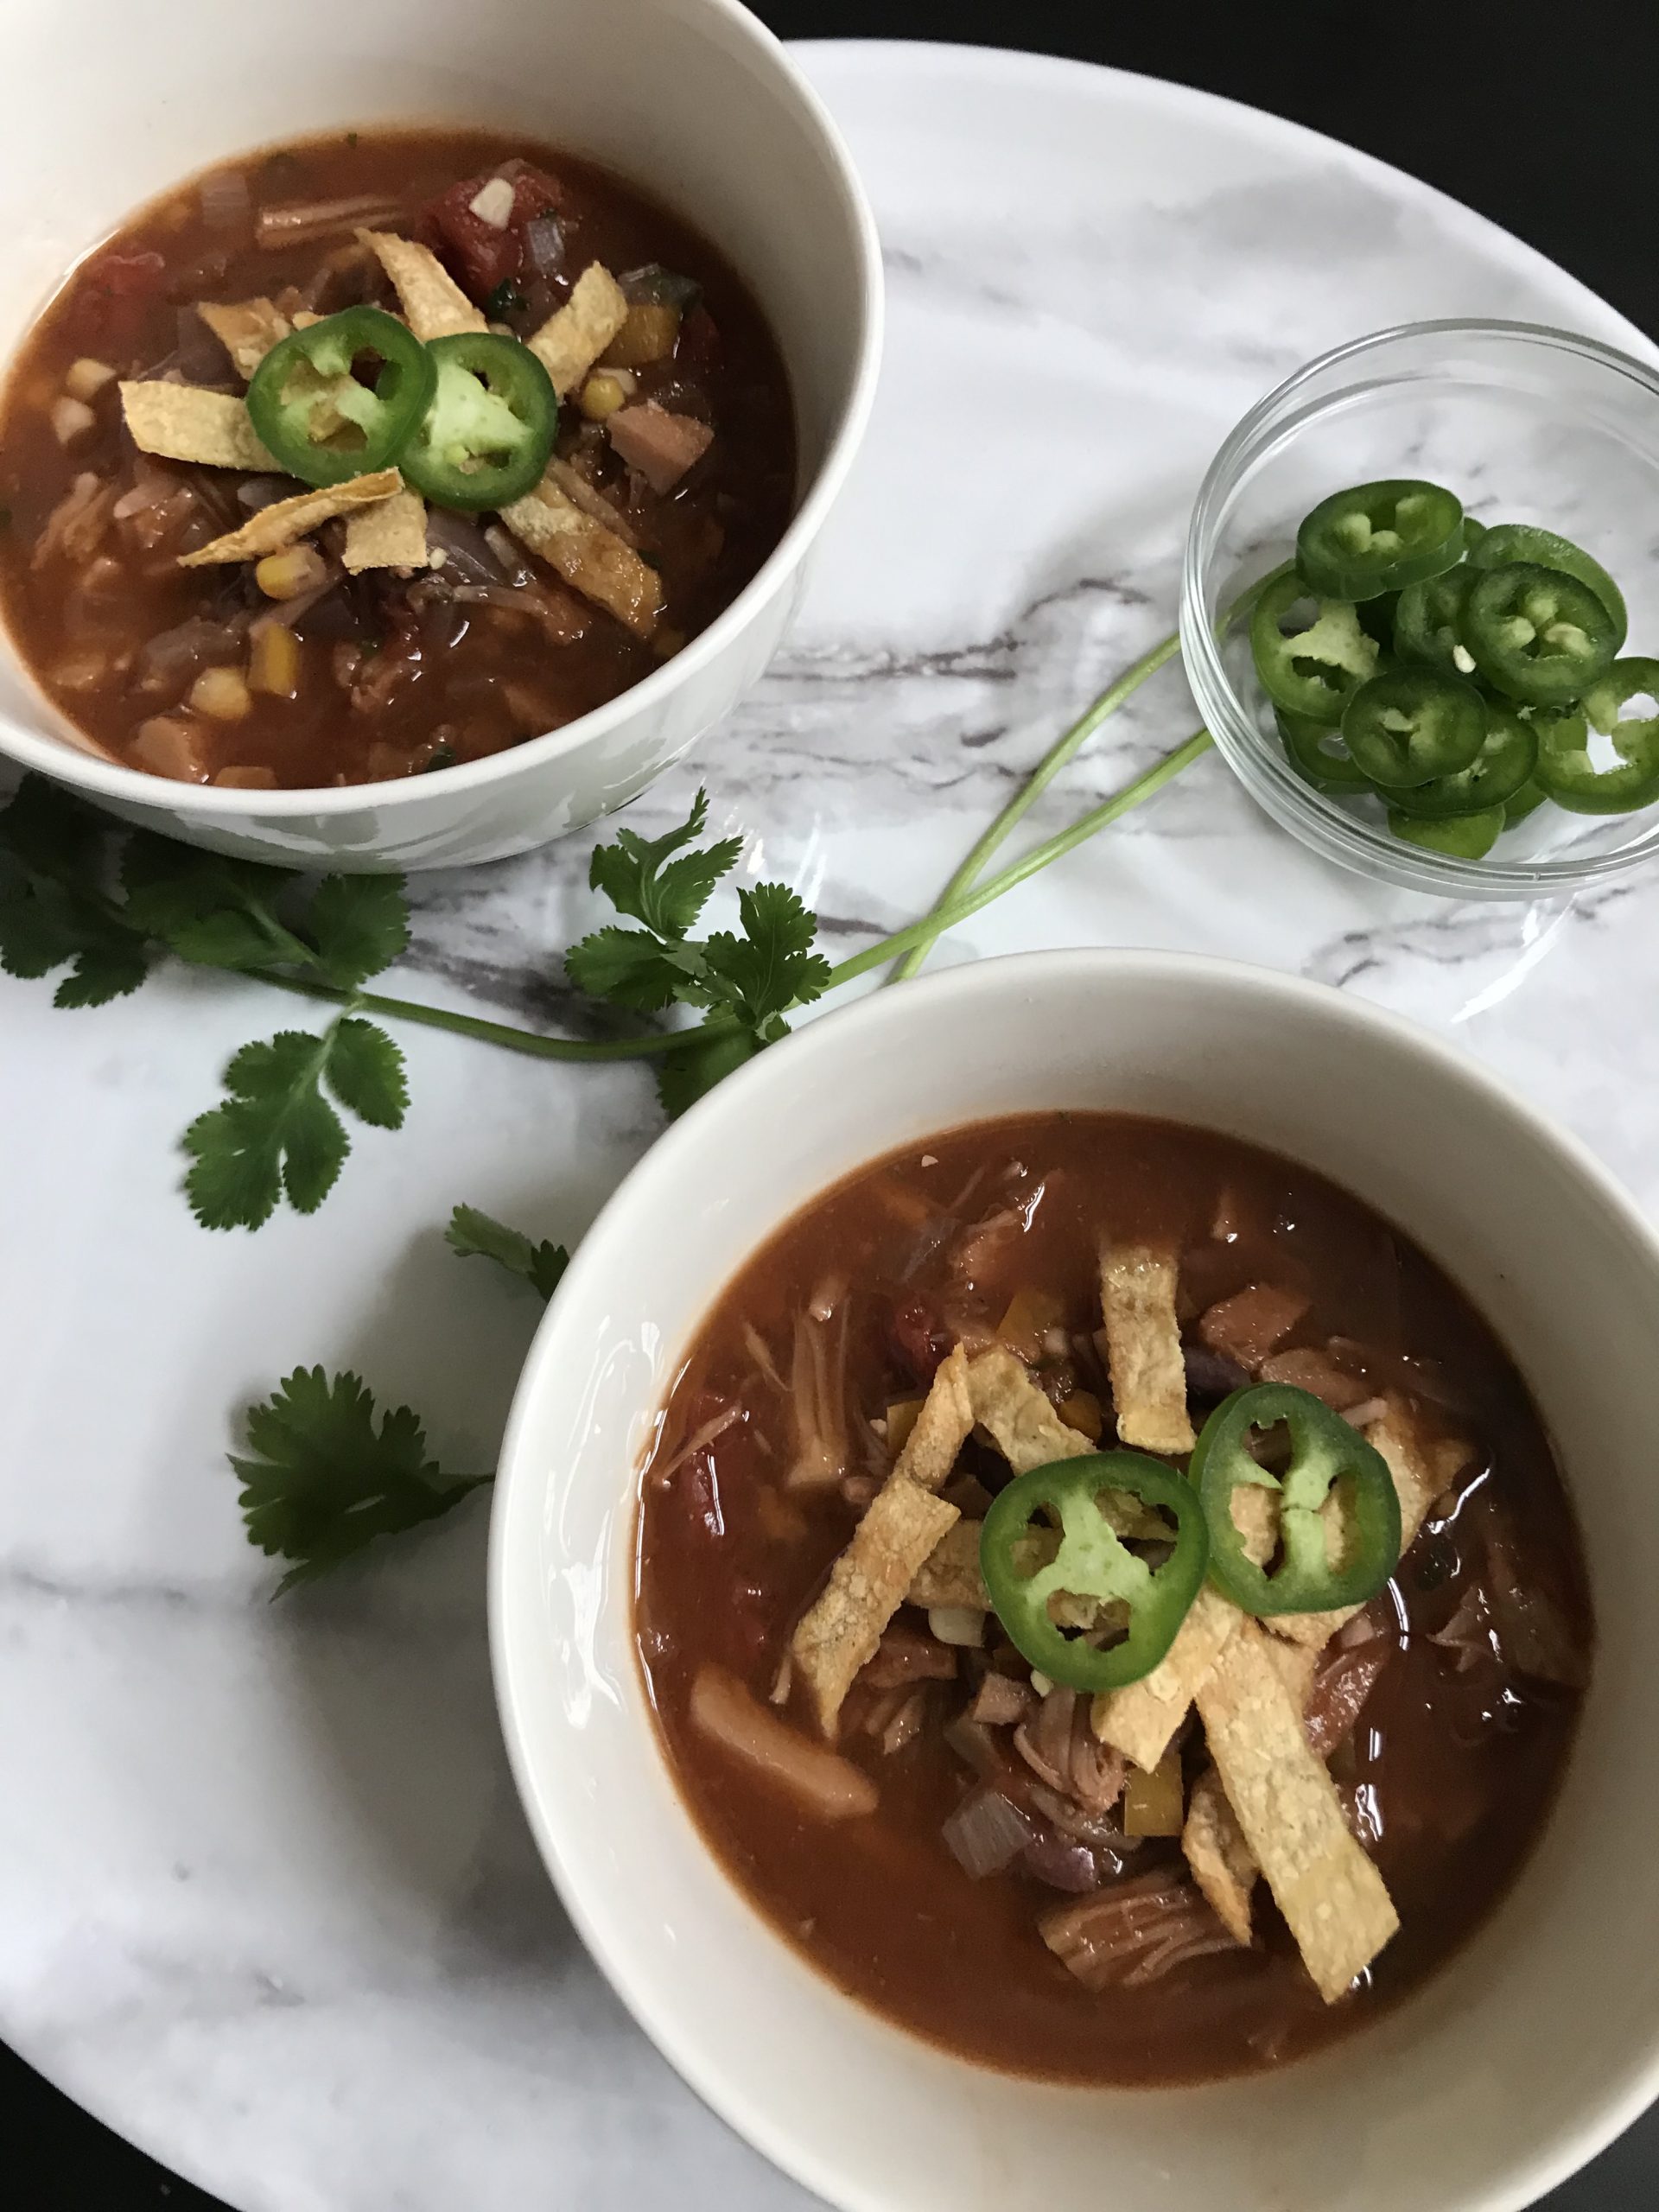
[(114, 295), (480, 254)]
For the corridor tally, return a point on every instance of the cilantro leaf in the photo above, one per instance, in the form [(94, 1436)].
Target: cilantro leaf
[(53, 908), (360, 925), (772, 966), (640, 880), (694, 1068), (49, 832), (634, 969), (104, 969), (208, 907), (476, 1235), (365, 1071), (320, 1481), (276, 1135)]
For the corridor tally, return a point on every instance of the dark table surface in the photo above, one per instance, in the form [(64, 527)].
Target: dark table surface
[(1540, 117)]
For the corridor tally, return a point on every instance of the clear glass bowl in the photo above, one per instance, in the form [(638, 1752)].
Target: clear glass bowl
[(1525, 424)]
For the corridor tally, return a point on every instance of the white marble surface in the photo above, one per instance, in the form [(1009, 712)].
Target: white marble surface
[(266, 1901)]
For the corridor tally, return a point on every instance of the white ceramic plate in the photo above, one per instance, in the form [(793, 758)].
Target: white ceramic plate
[(267, 1903)]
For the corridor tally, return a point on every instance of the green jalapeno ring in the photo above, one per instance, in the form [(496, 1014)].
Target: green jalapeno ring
[(1411, 725), (484, 438), (1565, 770), (1377, 537), (1092, 1562), (1426, 622), (1524, 540), (311, 370), (1530, 796), (1325, 1451), (1537, 634), (1508, 755), (1308, 747), (1315, 671), (1460, 836)]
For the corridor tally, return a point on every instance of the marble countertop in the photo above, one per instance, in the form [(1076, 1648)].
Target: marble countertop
[(267, 1903)]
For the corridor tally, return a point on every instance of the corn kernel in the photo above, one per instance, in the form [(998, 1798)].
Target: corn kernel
[(274, 662), (221, 694), (601, 397), (70, 419), (85, 379), (286, 574)]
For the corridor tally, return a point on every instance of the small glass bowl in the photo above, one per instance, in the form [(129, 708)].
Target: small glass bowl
[(1525, 424)]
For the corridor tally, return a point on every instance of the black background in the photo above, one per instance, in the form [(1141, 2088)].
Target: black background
[(1541, 116)]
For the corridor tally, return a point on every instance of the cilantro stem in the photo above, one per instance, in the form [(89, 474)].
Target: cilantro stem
[(1059, 755), (503, 1034)]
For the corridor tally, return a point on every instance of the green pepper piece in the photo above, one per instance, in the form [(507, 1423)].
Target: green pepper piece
[(1325, 1451), (1473, 533), (1463, 836), (317, 419), (1317, 754), (1524, 540), (1412, 724), (1426, 623), (1565, 770), (1092, 1562), (1530, 796), (1313, 671), (1378, 537), (1376, 617), (1537, 634), (485, 440), (1508, 753)]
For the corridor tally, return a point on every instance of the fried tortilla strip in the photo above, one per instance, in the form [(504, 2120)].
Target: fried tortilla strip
[(247, 329), (1028, 1433), (391, 535), (434, 305), (591, 559), (1143, 1344), (568, 343), (868, 1583), (1331, 1895), (949, 1575), (290, 520), (1223, 1863), (180, 421), (1417, 1469)]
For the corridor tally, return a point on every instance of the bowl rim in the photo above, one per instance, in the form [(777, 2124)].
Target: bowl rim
[(1292, 803), (68, 761), (815, 1051)]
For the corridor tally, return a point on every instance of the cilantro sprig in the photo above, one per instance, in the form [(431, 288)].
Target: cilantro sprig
[(476, 1235)]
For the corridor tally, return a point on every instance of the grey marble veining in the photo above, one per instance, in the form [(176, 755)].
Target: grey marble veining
[(266, 1900)]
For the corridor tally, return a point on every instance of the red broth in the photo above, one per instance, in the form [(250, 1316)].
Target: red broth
[(1458, 1753)]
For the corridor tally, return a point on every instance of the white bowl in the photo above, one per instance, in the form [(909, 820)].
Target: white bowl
[(694, 100), (1535, 2045)]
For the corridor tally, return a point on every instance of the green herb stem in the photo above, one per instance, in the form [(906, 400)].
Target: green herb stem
[(510, 1038)]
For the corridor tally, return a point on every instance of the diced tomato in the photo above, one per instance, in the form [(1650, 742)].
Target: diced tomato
[(113, 297), (920, 1339), (534, 193), (480, 255)]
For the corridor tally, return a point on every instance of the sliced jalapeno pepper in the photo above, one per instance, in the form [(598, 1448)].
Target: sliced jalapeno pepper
[(1092, 1562), (1537, 634), (1530, 796), (1378, 537), (1566, 772), (1412, 724), (1463, 837), (1314, 669), (316, 417), (1376, 617), (1426, 622), (1524, 540), (1317, 754), (485, 439), (1325, 1451), (1508, 753), (1473, 533)]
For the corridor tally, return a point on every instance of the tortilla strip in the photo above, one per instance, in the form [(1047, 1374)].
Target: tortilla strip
[(390, 535), (949, 1575), (1028, 1433), (839, 1633), (1332, 1898), (1143, 1343), (592, 560), (1223, 1863), (433, 304), (247, 329), (1419, 1479), (570, 341), (290, 520), (1140, 1720), (180, 421), (575, 485)]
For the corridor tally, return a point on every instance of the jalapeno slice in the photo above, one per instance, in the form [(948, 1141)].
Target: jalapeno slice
[(1317, 754), (1412, 724), (1324, 1452), (1378, 537), (1566, 772), (1427, 620), (1508, 753), (1091, 1561), (485, 439), (1524, 540), (1537, 634), (1530, 796), (1463, 837), (317, 419), (1314, 669)]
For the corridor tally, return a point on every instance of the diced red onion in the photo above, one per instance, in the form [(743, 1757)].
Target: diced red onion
[(986, 1833), (226, 205), (544, 246), (974, 1745), (1062, 1863)]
